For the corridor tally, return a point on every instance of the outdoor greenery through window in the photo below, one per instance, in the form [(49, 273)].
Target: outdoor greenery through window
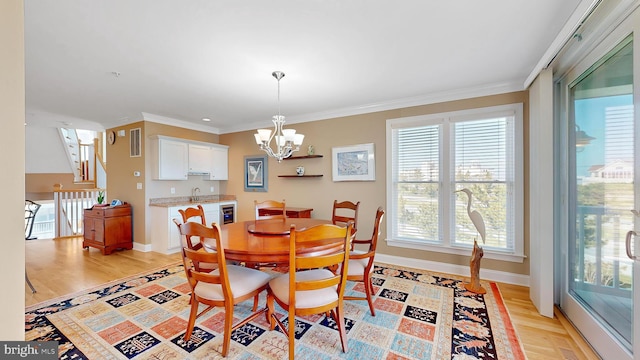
[(433, 156)]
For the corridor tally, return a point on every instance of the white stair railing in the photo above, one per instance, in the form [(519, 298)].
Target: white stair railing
[(69, 209)]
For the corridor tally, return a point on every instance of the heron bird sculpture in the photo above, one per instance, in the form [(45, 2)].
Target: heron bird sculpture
[(474, 215), (474, 264)]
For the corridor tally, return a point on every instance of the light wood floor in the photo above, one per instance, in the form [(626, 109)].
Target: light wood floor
[(61, 267)]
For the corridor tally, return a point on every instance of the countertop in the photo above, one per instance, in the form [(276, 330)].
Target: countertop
[(186, 200)]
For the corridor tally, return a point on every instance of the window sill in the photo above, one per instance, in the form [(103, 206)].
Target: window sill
[(488, 254)]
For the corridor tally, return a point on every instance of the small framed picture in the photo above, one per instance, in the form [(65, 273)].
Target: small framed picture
[(354, 163), (255, 173)]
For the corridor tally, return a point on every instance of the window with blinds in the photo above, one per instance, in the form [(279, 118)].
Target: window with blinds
[(434, 156), (483, 163), (418, 182)]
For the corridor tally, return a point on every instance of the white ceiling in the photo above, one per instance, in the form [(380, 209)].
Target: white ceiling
[(103, 63)]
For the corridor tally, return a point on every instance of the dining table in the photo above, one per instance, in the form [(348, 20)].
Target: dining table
[(266, 241)]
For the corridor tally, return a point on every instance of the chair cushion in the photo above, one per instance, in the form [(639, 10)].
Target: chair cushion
[(241, 279), (307, 298), (357, 266)]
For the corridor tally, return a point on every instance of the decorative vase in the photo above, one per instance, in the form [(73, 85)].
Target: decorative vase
[(300, 170)]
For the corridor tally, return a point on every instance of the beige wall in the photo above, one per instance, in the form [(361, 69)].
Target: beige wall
[(121, 184), (12, 113), (319, 193)]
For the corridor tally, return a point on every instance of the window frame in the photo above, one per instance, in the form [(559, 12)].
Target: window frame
[(447, 120)]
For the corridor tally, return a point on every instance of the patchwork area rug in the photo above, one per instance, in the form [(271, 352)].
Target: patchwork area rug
[(418, 316)]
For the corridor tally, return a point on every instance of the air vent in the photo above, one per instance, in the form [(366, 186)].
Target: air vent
[(135, 143)]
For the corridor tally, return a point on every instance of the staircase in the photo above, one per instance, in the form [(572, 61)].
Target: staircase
[(87, 163), (89, 169)]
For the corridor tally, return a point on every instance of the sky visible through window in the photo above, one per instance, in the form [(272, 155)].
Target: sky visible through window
[(612, 141)]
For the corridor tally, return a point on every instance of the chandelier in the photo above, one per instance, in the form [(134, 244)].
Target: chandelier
[(286, 140)]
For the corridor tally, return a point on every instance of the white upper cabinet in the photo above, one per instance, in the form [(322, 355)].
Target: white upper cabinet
[(176, 159), (220, 170), (200, 159), (211, 160), (169, 158)]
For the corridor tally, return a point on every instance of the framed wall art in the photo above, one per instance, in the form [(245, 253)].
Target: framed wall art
[(255, 173), (354, 163)]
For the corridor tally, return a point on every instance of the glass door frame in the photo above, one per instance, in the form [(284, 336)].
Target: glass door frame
[(595, 333)]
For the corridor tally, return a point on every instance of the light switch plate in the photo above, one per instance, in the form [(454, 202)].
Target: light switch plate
[(138, 186), (173, 190)]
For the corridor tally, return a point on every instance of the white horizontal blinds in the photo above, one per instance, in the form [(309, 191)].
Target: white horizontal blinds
[(419, 154), (618, 131), (483, 153), (480, 150), (618, 163), (417, 179)]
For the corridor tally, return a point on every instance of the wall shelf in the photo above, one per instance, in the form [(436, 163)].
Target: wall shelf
[(297, 176), (302, 157), (299, 158)]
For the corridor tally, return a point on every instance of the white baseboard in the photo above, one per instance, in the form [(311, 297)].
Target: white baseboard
[(142, 247), (485, 274)]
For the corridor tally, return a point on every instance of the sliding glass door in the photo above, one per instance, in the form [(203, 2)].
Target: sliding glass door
[(602, 154)]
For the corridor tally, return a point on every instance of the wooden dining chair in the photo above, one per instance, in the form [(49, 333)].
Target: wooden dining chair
[(345, 211), (225, 287), (270, 209), (311, 288), (361, 262), (191, 242), (189, 214)]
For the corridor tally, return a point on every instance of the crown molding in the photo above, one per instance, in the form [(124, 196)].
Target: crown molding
[(179, 123), (442, 96)]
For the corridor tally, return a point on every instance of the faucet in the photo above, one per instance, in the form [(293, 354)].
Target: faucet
[(194, 194)]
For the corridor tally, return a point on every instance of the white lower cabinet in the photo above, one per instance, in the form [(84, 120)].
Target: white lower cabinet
[(165, 237)]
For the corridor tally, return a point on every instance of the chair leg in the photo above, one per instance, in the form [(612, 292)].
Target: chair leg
[(292, 332), (255, 302), (26, 277), (270, 311), (192, 318), (339, 318), (368, 287), (228, 324)]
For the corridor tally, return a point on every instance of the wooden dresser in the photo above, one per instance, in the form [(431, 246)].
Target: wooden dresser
[(108, 228)]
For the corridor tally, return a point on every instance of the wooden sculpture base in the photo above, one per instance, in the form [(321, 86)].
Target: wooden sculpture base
[(474, 265)]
